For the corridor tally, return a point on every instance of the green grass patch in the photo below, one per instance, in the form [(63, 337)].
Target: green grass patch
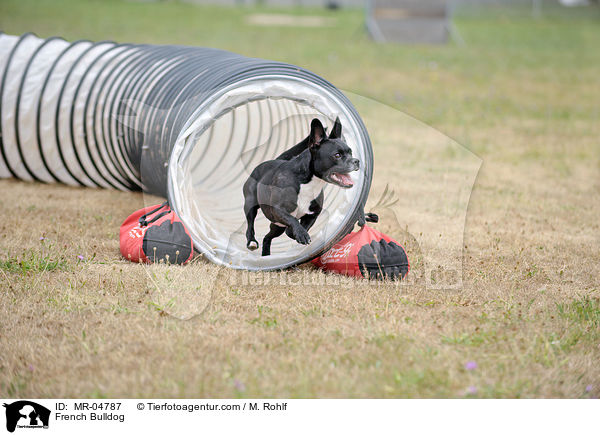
[(583, 311), (265, 318), (412, 381), (32, 262), (467, 339)]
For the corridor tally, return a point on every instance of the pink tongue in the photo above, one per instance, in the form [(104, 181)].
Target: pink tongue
[(345, 178)]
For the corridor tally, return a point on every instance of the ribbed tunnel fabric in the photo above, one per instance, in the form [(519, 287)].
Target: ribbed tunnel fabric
[(186, 123)]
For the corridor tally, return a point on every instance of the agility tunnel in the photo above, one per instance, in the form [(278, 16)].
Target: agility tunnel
[(185, 123)]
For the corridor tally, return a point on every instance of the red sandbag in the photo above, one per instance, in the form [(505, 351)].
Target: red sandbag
[(366, 253), (155, 233)]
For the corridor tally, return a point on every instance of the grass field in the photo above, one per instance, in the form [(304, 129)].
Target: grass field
[(521, 93)]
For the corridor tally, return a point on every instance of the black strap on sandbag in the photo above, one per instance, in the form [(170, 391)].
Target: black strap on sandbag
[(371, 217), (143, 218)]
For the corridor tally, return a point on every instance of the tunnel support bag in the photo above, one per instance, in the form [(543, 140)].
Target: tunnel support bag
[(366, 253), (155, 235)]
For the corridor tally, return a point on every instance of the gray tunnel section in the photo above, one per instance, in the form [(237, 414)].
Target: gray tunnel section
[(186, 123)]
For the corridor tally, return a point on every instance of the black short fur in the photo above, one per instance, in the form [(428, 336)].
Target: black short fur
[(275, 185)]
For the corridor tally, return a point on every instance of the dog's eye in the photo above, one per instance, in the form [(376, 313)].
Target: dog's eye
[(337, 155)]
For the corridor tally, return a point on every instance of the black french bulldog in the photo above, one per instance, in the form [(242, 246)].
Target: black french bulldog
[(289, 189)]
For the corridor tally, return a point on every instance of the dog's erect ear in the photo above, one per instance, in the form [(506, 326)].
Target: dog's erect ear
[(317, 133), (336, 131)]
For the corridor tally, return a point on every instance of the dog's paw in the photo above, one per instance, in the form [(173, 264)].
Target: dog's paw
[(302, 236), (252, 245)]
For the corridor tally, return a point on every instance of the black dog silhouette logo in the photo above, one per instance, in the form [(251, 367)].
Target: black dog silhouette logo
[(26, 414)]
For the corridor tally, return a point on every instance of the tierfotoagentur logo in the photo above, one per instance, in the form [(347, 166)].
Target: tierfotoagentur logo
[(25, 414)]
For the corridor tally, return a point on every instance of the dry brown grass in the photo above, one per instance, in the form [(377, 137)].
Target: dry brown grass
[(98, 328), (528, 313)]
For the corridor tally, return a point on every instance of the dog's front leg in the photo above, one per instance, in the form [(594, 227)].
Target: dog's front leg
[(283, 221), (293, 228), (309, 219)]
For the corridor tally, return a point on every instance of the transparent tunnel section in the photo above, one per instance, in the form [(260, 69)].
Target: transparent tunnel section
[(187, 123), (249, 123)]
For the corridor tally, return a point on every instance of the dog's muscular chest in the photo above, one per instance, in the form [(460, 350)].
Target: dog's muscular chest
[(308, 192)]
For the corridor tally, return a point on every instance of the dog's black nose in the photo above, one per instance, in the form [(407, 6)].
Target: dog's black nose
[(356, 164)]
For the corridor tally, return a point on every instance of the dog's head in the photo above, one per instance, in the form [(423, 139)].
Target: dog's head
[(332, 158)]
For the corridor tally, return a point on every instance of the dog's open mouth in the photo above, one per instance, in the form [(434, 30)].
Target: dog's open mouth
[(342, 180)]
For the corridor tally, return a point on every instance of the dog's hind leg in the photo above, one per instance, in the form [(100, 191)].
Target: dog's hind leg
[(275, 231), (251, 210)]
